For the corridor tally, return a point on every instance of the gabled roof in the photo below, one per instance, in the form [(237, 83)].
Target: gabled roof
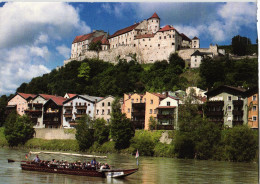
[(96, 39), (58, 100), (154, 16), (227, 89), (125, 30), (26, 96), (82, 37), (161, 96), (45, 96), (251, 91), (195, 38), (197, 53), (167, 28), (144, 36), (184, 37), (71, 95), (104, 41), (101, 99), (85, 97)]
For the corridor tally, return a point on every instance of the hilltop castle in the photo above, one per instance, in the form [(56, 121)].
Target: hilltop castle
[(146, 39)]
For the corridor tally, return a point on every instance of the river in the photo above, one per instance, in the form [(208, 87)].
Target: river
[(151, 170)]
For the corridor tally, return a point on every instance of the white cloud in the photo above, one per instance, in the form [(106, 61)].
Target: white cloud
[(17, 66), (28, 33), (64, 51), (25, 22)]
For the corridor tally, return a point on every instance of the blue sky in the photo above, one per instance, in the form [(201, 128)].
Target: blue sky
[(36, 37)]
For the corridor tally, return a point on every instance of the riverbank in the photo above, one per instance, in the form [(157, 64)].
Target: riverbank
[(151, 140), (148, 143)]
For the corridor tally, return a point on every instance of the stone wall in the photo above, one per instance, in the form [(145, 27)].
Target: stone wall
[(49, 134)]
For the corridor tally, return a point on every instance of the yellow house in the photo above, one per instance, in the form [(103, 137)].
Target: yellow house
[(252, 102), (152, 103)]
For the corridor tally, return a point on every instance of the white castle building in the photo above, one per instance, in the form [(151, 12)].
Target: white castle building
[(146, 39)]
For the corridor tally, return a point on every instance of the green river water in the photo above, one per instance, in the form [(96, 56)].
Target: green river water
[(151, 170)]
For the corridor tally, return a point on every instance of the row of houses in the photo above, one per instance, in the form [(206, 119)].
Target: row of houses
[(226, 105), (51, 111)]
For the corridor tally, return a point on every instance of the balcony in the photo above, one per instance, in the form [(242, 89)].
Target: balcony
[(68, 107), (164, 127), (33, 112), (67, 115), (138, 114), (73, 123), (165, 116), (51, 122), (79, 115), (81, 106), (238, 102), (214, 113), (38, 105), (237, 122), (138, 105), (237, 113), (215, 103), (138, 124)]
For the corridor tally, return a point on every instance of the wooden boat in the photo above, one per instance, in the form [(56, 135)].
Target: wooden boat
[(112, 173)]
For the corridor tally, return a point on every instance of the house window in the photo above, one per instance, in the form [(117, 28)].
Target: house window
[(89, 112), (173, 44), (97, 112), (254, 98), (132, 100), (103, 111), (168, 103), (79, 104), (160, 37), (229, 108), (108, 111), (137, 100), (151, 102), (169, 36), (128, 110), (151, 111), (239, 98), (195, 60), (158, 45), (254, 108), (103, 104), (229, 98), (254, 118), (76, 103), (71, 103), (143, 39), (144, 100), (154, 111), (88, 104), (108, 104), (164, 37)]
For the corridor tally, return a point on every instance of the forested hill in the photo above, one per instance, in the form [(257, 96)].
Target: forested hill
[(95, 77)]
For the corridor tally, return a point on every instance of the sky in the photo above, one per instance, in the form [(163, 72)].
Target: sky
[(36, 37)]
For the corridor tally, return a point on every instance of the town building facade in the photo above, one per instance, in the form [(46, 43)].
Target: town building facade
[(103, 108), (253, 107)]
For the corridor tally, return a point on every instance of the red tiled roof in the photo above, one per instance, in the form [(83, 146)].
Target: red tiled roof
[(184, 37), (99, 38), (47, 97), (71, 95), (159, 95), (144, 36), (82, 38), (195, 38), (25, 95), (104, 41), (125, 30), (167, 28), (154, 16), (58, 100)]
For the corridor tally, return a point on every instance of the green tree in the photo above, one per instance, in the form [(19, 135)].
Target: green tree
[(18, 129), (3, 104), (84, 71), (85, 132), (96, 46), (121, 127), (152, 123), (101, 131), (241, 144), (240, 45)]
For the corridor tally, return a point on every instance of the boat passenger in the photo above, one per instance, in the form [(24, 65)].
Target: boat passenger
[(93, 162), (36, 159)]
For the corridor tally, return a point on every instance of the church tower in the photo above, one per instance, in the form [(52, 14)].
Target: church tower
[(195, 42), (153, 23)]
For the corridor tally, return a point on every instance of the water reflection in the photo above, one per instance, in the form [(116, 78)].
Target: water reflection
[(151, 170)]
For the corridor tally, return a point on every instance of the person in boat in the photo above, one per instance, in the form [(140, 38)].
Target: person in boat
[(93, 162), (36, 159)]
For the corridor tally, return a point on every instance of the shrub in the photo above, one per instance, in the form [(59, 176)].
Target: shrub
[(18, 129), (184, 146), (144, 144), (101, 131), (85, 133), (241, 144)]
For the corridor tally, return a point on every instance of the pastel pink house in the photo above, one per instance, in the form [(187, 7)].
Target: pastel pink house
[(20, 102)]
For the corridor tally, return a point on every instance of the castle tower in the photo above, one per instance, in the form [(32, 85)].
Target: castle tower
[(195, 43), (153, 23)]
